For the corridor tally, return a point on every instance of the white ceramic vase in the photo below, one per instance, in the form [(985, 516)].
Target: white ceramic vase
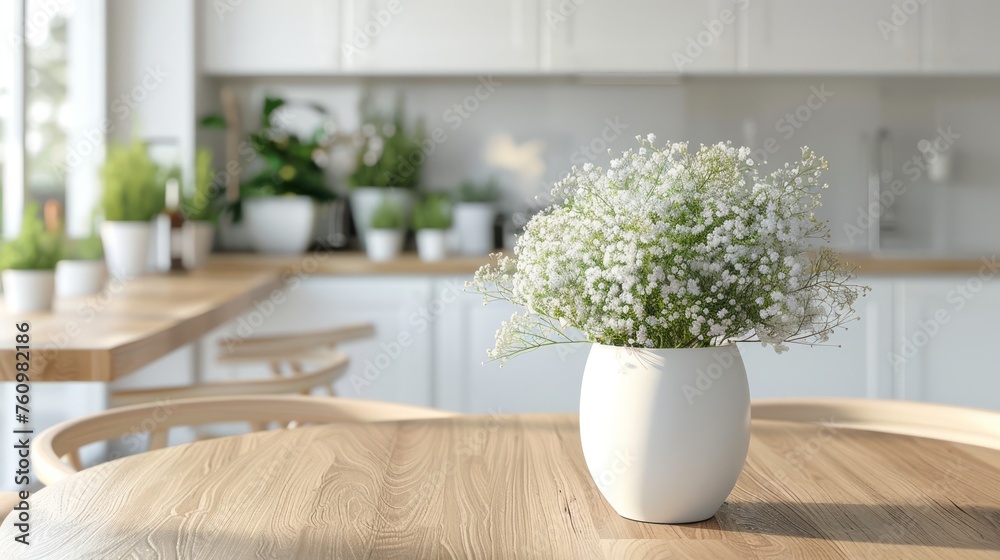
[(473, 227), (665, 432), (280, 224), (126, 247), (432, 244), (384, 244), (364, 201), (80, 277), (28, 290), (197, 239)]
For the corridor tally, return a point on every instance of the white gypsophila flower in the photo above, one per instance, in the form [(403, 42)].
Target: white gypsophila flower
[(674, 249)]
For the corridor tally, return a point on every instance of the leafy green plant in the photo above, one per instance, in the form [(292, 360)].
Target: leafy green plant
[(133, 189), (85, 249), (34, 248), (391, 155), (290, 162), (388, 216), (433, 212), (471, 191), (201, 207)]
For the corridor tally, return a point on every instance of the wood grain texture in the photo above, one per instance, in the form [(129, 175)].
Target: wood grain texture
[(352, 263), (511, 487)]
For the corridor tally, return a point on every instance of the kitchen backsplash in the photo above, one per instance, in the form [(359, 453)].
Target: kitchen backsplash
[(527, 132)]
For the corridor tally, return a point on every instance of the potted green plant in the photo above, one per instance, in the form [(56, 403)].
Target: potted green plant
[(133, 195), (474, 214), (662, 267), (386, 231), (278, 203), (82, 272), (200, 211), (28, 263), (432, 219), (388, 164)]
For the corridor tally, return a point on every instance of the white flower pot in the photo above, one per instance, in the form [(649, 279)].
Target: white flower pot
[(384, 244), (280, 224), (665, 432), (126, 247), (28, 290), (473, 227), (197, 239), (364, 201), (80, 278), (432, 244)]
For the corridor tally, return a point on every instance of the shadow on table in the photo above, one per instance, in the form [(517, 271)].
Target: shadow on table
[(940, 525)]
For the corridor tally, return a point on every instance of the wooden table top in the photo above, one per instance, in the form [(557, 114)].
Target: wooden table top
[(131, 324), (511, 487)]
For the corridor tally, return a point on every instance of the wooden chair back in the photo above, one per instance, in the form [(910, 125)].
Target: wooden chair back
[(935, 421), (55, 451)]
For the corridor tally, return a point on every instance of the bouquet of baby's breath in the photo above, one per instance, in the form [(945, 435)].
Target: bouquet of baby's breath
[(674, 249)]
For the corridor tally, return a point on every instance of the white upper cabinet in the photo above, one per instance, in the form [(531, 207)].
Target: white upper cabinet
[(446, 36), (826, 36), (962, 36), (270, 36), (686, 36)]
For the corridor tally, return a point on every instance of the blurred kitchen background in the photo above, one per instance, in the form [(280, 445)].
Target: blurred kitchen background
[(901, 96)]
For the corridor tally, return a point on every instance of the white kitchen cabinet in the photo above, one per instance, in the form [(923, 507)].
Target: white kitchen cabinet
[(687, 36), (852, 364), (270, 36), (446, 36), (962, 36), (945, 347), (822, 37), (544, 380), (394, 366)]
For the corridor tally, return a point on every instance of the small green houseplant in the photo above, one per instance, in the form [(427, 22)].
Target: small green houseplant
[(432, 219), (201, 211), (389, 163), (385, 240), (279, 200), (475, 215), (82, 271), (133, 195), (28, 264)]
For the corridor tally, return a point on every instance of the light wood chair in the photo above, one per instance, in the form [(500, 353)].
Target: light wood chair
[(935, 421), (321, 370), (55, 452), (299, 363)]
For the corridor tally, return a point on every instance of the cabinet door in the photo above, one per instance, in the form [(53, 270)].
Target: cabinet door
[(271, 36), (545, 380), (394, 366), (946, 349), (641, 35), (440, 36), (962, 35), (852, 364), (821, 36)]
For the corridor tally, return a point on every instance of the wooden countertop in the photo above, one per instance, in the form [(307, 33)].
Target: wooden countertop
[(871, 265), (352, 263), (131, 324), (510, 487)]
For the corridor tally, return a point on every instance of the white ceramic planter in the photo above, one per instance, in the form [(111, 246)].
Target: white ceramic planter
[(80, 278), (432, 244), (364, 201), (197, 239), (665, 432), (473, 227), (126, 247), (384, 244), (280, 224), (28, 290)]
